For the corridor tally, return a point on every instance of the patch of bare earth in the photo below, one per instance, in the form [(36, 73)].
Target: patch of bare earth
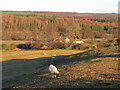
[(98, 73), (89, 69)]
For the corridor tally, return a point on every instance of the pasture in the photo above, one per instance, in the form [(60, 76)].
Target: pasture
[(30, 54), (52, 39), (84, 69)]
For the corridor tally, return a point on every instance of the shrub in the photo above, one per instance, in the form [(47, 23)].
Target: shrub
[(22, 46), (110, 41), (11, 46), (118, 41), (4, 46), (98, 41), (36, 45), (99, 46), (67, 45), (56, 45), (86, 47), (108, 44), (94, 47), (116, 44), (33, 45), (104, 45), (77, 46), (28, 45)]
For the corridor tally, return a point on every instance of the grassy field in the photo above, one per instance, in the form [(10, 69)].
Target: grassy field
[(30, 54), (96, 68), (14, 42)]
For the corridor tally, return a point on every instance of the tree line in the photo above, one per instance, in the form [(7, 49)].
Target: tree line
[(49, 27)]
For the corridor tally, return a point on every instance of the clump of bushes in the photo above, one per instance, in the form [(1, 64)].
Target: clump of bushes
[(76, 46), (21, 46), (67, 45), (56, 45), (31, 45), (4, 46), (118, 41), (36, 45), (104, 45), (108, 43)]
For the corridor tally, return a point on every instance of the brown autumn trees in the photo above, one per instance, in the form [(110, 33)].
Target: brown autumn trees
[(49, 27)]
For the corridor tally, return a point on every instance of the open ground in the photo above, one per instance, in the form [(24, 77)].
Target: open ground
[(83, 69)]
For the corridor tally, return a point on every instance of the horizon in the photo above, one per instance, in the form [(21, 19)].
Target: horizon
[(62, 12), (79, 6)]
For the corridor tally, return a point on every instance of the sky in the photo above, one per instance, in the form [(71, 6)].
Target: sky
[(81, 6)]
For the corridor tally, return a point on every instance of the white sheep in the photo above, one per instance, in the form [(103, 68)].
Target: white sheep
[(54, 55), (53, 70), (44, 53), (74, 53)]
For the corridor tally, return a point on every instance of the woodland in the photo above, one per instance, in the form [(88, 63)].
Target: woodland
[(48, 26)]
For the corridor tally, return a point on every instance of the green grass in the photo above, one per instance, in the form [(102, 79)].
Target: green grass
[(21, 13)]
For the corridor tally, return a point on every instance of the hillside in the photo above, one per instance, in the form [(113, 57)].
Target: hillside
[(88, 69), (112, 15), (37, 25), (30, 39)]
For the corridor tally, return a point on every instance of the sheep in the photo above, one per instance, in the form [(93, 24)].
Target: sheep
[(53, 70), (79, 41), (44, 53), (54, 55), (74, 53)]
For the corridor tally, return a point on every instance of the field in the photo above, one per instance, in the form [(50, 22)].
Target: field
[(30, 54), (84, 69), (15, 42), (30, 40)]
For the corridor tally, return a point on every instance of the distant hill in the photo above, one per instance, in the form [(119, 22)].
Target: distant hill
[(24, 25), (114, 15)]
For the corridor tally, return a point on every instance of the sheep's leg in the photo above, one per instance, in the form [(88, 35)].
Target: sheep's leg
[(57, 75), (53, 75)]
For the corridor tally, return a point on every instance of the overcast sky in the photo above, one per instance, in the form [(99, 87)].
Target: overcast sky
[(81, 6)]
